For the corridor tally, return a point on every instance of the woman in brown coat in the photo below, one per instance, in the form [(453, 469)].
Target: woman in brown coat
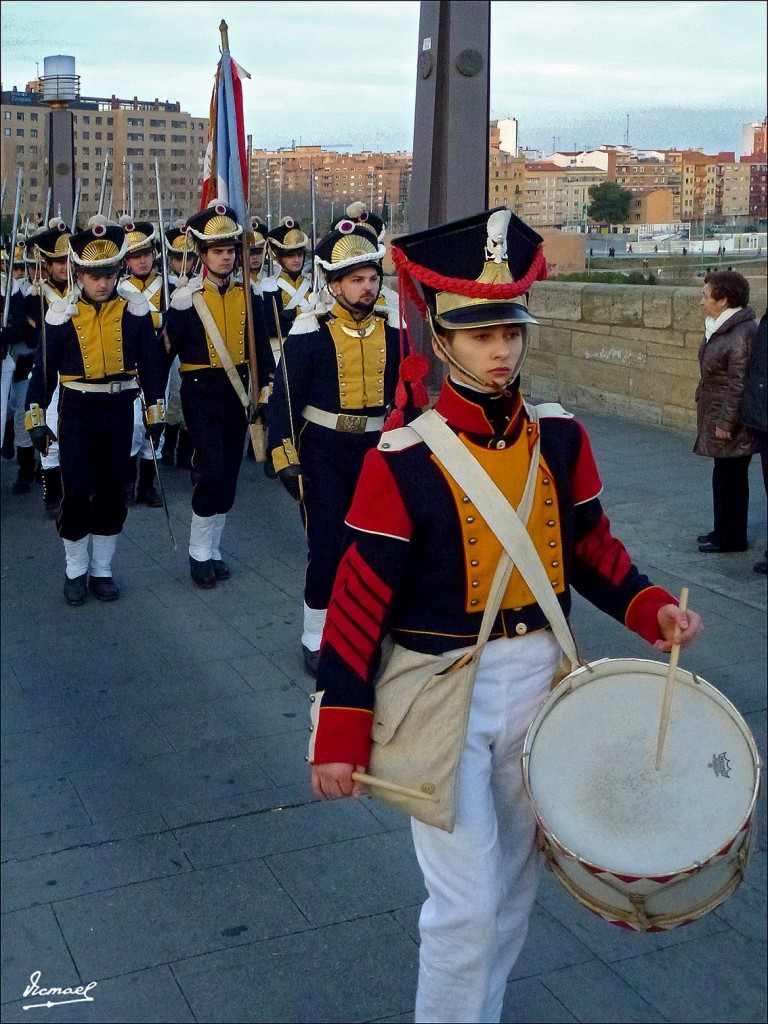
[(724, 355)]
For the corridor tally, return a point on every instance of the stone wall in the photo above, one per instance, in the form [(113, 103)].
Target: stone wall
[(627, 350)]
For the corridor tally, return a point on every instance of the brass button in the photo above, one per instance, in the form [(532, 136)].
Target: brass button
[(554, 583), (465, 499), (521, 628), (474, 562), (475, 583), (529, 430), (470, 519), (501, 444), (473, 602), (545, 481), (473, 540), (553, 543), (551, 522), (555, 564), (549, 501)]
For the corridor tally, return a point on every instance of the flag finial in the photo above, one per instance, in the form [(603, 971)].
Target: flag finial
[(224, 29)]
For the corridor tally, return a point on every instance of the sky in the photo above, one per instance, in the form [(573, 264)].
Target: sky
[(343, 74)]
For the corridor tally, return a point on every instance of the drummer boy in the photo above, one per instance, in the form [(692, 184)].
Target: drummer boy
[(419, 566)]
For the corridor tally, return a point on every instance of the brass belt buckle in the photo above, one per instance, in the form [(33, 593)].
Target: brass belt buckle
[(351, 424)]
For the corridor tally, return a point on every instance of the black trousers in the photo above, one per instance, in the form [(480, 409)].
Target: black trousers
[(332, 462), (730, 498), (95, 432), (217, 426)]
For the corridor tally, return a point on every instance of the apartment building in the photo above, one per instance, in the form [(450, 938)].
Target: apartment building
[(556, 196), (340, 178), (506, 181), (122, 132)]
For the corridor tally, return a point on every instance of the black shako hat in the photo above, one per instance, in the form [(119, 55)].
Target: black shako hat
[(345, 247), (103, 244), (52, 242), (215, 225), (141, 236), (473, 272), (287, 237)]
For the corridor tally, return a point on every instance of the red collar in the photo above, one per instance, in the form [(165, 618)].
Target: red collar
[(469, 417)]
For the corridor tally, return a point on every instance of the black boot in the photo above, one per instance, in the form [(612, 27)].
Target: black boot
[(26, 475), (170, 437), (184, 451), (146, 493), (130, 486), (52, 492)]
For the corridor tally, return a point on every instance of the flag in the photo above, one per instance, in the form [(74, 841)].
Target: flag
[(225, 172)]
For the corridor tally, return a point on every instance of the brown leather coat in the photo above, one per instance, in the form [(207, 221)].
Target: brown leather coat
[(724, 360)]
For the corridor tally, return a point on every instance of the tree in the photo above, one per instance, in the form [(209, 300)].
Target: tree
[(610, 202)]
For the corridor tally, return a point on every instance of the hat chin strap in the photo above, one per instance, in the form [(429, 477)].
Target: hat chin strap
[(501, 389)]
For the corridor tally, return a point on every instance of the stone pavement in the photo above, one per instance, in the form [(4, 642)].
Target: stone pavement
[(159, 833)]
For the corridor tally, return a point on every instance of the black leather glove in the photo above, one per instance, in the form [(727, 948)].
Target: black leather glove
[(290, 477), (42, 437), (154, 431)]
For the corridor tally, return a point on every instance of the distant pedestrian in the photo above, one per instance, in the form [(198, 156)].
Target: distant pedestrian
[(753, 408), (630, 248), (724, 355), (655, 248)]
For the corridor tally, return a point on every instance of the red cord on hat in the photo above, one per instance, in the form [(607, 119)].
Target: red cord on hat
[(407, 270)]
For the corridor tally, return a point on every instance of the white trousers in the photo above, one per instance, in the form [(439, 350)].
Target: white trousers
[(6, 379), (51, 460), (482, 877)]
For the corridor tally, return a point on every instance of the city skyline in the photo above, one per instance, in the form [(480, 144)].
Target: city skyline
[(564, 70)]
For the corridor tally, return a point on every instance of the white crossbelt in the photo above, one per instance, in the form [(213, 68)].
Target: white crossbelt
[(346, 423), (112, 387), (296, 294)]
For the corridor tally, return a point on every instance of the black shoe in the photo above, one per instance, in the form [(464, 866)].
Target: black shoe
[(202, 573), (705, 538), (22, 485), (714, 547), (76, 590), (311, 661), (220, 569), (26, 475), (761, 566), (103, 587)]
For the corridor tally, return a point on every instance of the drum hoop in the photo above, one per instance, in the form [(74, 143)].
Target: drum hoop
[(566, 686)]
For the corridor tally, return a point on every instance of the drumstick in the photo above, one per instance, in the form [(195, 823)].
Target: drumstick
[(416, 794), (669, 686)]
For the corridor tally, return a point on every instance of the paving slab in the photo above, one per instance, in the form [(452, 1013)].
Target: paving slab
[(356, 971)]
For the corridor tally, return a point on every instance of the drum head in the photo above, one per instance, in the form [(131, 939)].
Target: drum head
[(591, 774)]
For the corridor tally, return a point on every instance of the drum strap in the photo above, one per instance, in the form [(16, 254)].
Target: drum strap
[(500, 516)]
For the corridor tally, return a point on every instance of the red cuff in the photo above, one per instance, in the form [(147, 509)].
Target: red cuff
[(642, 615), (343, 735)]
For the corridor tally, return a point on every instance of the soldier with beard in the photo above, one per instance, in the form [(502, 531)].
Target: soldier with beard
[(337, 376)]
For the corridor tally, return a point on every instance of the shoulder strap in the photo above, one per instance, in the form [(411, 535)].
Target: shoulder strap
[(198, 301), (500, 516)]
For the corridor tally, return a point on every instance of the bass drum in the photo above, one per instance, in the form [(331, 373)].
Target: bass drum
[(644, 849)]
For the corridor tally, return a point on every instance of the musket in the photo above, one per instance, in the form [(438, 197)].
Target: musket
[(170, 212), (11, 254), (314, 223), (103, 184), (255, 426), (164, 256), (48, 206), (154, 459), (130, 191), (2, 196), (287, 390), (109, 208), (76, 205)]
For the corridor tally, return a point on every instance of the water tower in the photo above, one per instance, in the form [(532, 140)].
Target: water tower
[(60, 87)]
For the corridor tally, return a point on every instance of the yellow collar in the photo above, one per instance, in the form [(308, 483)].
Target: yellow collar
[(354, 328)]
